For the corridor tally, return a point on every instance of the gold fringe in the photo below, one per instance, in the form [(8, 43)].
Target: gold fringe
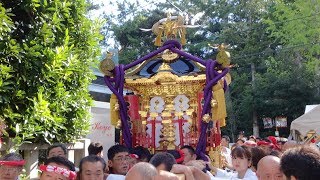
[(158, 39), (219, 112)]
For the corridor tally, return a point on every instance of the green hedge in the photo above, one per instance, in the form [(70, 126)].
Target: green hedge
[(47, 49)]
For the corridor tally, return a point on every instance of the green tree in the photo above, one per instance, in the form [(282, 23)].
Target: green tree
[(292, 77), (47, 49)]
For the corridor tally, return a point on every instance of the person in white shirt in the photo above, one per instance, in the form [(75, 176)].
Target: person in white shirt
[(241, 162), (225, 151)]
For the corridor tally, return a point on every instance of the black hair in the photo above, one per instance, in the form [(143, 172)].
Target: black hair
[(240, 139), (95, 148), (142, 152), (301, 162), (93, 159), (226, 137), (113, 150), (257, 154), (190, 149), (177, 156), (61, 161), (241, 152), (163, 158), (55, 145), (253, 137), (275, 153), (12, 157)]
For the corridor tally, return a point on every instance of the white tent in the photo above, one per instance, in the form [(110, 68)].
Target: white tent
[(307, 122)]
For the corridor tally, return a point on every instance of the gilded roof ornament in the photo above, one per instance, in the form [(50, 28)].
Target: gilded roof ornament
[(171, 27), (107, 65), (223, 56)]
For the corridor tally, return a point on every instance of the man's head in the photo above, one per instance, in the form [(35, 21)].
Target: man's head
[(142, 170), (189, 153), (57, 149), (257, 155), (57, 167), (163, 161), (288, 145), (95, 148), (269, 168), (240, 141), (92, 168), (252, 138), (143, 153), (241, 135), (118, 159), (301, 162), (225, 140), (11, 166)]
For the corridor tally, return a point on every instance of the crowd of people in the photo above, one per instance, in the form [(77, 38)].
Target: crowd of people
[(249, 158)]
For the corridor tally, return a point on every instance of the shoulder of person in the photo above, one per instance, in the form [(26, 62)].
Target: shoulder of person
[(250, 175)]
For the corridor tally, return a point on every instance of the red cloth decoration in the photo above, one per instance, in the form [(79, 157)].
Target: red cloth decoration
[(274, 141), (265, 143), (59, 170), (13, 163), (181, 159)]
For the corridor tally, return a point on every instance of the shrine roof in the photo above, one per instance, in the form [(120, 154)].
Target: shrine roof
[(180, 67)]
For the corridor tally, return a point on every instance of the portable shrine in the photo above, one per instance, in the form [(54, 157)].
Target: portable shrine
[(177, 98)]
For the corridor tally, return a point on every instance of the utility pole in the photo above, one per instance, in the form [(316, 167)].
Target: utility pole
[(254, 111)]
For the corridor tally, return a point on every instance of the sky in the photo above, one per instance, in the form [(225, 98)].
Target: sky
[(109, 9)]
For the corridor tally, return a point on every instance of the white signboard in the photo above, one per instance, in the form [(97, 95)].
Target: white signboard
[(101, 130)]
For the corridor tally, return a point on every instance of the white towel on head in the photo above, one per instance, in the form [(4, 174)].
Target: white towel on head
[(115, 177)]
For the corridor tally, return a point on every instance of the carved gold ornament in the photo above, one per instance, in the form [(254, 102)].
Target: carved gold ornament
[(214, 103), (169, 56), (107, 65), (206, 118)]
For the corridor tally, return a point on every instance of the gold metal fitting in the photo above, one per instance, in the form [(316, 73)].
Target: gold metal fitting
[(116, 106), (143, 113), (214, 103), (118, 126), (206, 118)]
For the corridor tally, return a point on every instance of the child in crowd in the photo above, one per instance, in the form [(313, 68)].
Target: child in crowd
[(241, 162)]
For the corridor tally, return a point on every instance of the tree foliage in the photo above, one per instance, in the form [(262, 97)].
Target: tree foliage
[(47, 49)]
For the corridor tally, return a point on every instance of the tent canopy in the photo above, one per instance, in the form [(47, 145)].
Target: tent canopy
[(307, 122)]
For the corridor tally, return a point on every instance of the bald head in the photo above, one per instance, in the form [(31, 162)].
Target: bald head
[(165, 175), (269, 168), (142, 170)]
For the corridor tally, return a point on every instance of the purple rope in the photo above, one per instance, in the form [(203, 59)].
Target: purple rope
[(215, 80), (121, 69), (123, 110), (117, 77), (213, 72), (150, 55), (201, 146), (208, 63), (122, 105), (174, 42), (186, 55)]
